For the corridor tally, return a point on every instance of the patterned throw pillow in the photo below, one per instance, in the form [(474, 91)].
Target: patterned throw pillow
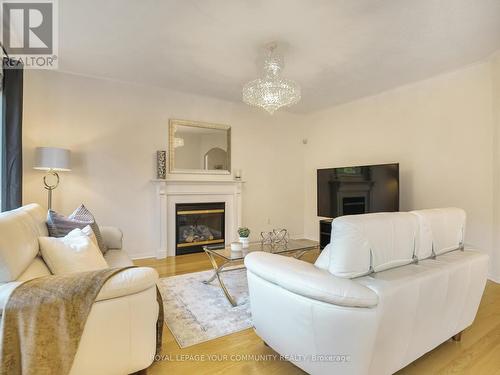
[(60, 225)]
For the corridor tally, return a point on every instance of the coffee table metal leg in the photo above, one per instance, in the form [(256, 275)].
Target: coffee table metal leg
[(216, 271), (226, 292), (299, 254), (216, 274)]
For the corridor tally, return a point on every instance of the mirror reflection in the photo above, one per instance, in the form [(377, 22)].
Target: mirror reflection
[(197, 147)]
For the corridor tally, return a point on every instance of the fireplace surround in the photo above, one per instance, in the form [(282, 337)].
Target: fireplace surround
[(170, 192)]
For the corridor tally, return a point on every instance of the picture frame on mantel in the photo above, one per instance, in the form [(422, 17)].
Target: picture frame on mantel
[(196, 147)]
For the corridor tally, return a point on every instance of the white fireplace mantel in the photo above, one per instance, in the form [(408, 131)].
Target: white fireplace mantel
[(170, 192)]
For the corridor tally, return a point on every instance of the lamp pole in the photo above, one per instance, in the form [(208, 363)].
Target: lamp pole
[(50, 187)]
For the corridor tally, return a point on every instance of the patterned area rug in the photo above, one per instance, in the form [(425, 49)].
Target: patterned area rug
[(197, 312)]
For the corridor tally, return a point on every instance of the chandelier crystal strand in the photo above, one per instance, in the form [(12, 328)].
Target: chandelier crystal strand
[(272, 91)]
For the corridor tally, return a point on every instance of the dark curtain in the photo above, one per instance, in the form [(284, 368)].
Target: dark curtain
[(12, 121)]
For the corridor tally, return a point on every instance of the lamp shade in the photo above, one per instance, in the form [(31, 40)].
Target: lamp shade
[(52, 158)]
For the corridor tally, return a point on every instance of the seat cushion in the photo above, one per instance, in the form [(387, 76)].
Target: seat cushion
[(118, 258), (19, 231), (37, 268), (371, 242)]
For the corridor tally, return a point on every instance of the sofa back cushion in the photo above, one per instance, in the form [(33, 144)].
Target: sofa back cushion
[(372, 242), (440, 230), (19, 231)]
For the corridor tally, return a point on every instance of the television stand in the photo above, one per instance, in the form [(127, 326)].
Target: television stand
[(325, 232)]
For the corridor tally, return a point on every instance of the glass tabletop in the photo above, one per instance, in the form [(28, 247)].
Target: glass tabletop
[(290, 246)]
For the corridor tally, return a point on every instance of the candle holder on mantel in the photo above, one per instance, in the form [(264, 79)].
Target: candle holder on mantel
[(161, 164)]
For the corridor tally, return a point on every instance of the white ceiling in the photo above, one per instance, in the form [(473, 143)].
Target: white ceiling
[(338, 50)]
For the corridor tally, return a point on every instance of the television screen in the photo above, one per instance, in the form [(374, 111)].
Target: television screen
[(358, 190)]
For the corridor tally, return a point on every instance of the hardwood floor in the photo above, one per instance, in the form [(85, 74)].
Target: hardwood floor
[(477, 353)]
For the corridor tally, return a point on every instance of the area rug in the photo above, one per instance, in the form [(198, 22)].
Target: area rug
[(196, 312)]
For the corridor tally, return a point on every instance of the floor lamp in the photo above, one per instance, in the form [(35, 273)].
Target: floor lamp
[(52, 160)]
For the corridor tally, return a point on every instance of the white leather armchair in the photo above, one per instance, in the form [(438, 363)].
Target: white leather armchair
[(120, 333), (339, 317)]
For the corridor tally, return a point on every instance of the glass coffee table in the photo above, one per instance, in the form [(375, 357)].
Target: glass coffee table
[(232, 261)]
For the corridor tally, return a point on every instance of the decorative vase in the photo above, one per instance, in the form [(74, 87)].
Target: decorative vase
[(244, 242), (161, 164), (236, 248)]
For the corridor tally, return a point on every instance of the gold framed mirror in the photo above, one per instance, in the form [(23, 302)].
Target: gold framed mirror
[(199, 147)]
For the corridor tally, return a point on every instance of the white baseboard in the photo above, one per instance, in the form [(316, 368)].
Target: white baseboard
[(161, 254), (494, 279), (144, 255), (149, 254)]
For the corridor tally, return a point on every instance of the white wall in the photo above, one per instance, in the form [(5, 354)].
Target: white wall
[(439, 130), (114, 130), (444, 132), (495, 259)]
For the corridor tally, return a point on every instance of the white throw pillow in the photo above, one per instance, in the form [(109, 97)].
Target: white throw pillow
[(88, 232), (76, 252)]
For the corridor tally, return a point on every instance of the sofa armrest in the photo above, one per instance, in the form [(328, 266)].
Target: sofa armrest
[(5, 292), (305, 279), (112, 237), (129, 281)]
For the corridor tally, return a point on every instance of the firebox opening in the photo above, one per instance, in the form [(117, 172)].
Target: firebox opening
[(353, 205), (197, 225)]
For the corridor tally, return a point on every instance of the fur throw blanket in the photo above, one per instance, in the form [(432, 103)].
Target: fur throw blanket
[(44, 319)]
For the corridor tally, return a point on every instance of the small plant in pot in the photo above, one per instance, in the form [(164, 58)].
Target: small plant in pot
[(244, 233)]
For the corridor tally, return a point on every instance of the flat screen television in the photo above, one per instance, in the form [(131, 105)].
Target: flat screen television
[(358, 190)]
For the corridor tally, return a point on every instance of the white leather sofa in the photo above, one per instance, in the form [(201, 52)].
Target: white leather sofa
[(120, 334), (387, 289)]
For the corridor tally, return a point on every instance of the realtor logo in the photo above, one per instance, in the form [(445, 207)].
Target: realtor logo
[(29, 32)]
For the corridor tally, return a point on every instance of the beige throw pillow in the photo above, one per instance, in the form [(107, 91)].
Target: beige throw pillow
[(76, 252)]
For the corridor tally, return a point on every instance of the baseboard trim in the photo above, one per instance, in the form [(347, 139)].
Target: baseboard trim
[(150, 254), (144, 255), (494, 279), (161, 254)]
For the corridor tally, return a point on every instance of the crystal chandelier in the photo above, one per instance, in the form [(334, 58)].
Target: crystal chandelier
[(272, 91)]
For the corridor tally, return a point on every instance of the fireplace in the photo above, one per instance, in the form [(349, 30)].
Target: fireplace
[(352, 194), (197, 225), (172, 192), (354, 205)]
